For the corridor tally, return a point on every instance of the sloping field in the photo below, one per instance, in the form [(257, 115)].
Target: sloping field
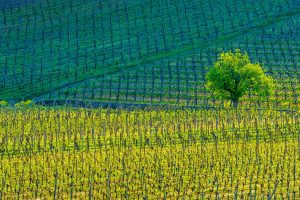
[(141, 51)]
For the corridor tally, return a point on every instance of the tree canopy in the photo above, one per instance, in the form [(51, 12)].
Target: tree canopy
[(233, 75)]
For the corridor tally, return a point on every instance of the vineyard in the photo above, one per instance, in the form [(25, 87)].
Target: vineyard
[(146, 52), (109, 100), (149, 154)]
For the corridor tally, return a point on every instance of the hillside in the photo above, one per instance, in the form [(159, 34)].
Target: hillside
[(141, 51)]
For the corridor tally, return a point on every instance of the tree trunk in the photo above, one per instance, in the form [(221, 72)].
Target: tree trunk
[(235, 102)]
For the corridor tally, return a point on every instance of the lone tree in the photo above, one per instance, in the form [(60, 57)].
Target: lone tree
[(233, 75)]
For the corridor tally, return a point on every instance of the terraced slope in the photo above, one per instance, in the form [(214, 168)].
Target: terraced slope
[(141, 51)]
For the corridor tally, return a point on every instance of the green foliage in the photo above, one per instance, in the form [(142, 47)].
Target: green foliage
[(28, 103), (233, 75), (3, 103)]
